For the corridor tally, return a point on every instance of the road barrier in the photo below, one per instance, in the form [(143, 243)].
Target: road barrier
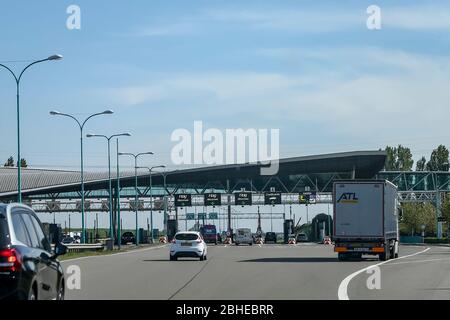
[(77, 247), (162, 239)]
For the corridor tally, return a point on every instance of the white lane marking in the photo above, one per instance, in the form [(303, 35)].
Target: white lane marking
[(342, 291), (116, 254), (417, 261)]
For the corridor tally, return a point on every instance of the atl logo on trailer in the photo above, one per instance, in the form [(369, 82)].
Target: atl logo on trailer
[(348, 197)]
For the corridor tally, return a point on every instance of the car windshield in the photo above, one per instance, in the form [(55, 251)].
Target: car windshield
[(4, 234), (186, 236), (127, 234), (209, 231)]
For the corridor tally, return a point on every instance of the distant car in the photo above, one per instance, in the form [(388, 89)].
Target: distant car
[(76, 239), (127, 237), (188, 244), (29, 269), (209, 233), (301, 237), (67, 240), (292, 240), (243, 235), (327, 240), (270, 237)]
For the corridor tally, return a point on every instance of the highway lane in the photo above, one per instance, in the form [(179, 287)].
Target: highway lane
[(420, 277), (304, 271)]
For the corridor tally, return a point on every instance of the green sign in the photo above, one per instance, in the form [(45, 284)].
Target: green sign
[(213, 215), (190, 216), (202, 215)]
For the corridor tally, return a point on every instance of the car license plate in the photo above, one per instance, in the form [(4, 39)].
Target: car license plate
[(185, 244), (359, 249)]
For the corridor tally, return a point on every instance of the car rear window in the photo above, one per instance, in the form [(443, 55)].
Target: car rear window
[(4, 233), (186, 236)]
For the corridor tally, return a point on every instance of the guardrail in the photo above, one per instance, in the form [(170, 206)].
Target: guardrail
[(78, 247)]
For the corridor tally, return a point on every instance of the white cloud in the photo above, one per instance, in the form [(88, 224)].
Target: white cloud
[(319, 19), (177, 29), (423, 17), (405, 104)]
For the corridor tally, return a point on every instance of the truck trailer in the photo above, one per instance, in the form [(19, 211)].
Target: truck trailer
[(366, 215)]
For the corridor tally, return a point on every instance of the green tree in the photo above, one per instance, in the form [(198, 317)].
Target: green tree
[(439, 159), (445, 209), (398, 159), (23, 163), (9, 162), (417, 214), (421, 164)]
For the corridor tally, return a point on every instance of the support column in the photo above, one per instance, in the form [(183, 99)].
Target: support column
[(438, 214), (229, 208)]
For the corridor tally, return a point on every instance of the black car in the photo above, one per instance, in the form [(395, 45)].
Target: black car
[(29, 269), (270, 237), (127, 237)]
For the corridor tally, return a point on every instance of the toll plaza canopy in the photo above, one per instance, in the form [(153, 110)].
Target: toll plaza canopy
[(296, 174)]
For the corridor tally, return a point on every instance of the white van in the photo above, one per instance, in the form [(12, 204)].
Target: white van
[(243, 235)]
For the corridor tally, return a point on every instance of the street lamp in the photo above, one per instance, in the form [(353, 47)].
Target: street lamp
[(151, 196), (135, 185), (17, 79), (108, 139), (81, 125)]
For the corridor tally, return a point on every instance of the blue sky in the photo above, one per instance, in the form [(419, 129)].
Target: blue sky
[(312, 70)]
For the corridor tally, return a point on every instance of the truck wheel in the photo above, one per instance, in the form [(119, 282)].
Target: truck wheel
[(385, 255), (392, 252)]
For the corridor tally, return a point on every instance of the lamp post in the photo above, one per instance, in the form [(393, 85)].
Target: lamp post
[(135, 185), (108, 139), (81, 126), (17, 79), (151, 196)]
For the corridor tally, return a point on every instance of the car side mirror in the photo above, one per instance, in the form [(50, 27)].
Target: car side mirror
[(60, 249)]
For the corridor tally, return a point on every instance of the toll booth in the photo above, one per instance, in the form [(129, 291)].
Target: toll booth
[(321, 225), (143, 236), (288, 228), (172, 228)]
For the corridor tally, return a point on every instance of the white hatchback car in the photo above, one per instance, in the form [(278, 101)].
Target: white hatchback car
[(188, 244)]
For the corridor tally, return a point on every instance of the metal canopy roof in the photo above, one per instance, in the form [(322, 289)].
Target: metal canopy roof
[(364, 164)]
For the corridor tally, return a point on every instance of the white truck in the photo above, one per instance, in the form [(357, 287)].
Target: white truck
[(366, 214)]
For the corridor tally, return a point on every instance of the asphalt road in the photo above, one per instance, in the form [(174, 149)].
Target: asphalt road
[(268, 272)]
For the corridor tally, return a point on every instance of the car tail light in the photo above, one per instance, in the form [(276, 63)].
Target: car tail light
[(10, 260)]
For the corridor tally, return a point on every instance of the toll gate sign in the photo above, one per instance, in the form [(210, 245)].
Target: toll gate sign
[(190, 216), (303, 198), (212, 199), (183, 200), (213, 216), (272, 198), (243, 198)]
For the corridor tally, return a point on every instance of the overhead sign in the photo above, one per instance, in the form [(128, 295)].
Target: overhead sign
[(212, 199), (307, 197), (190, 216), (213, 216), (243, 198), (182, 200), (202, 215), (272, 198)]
